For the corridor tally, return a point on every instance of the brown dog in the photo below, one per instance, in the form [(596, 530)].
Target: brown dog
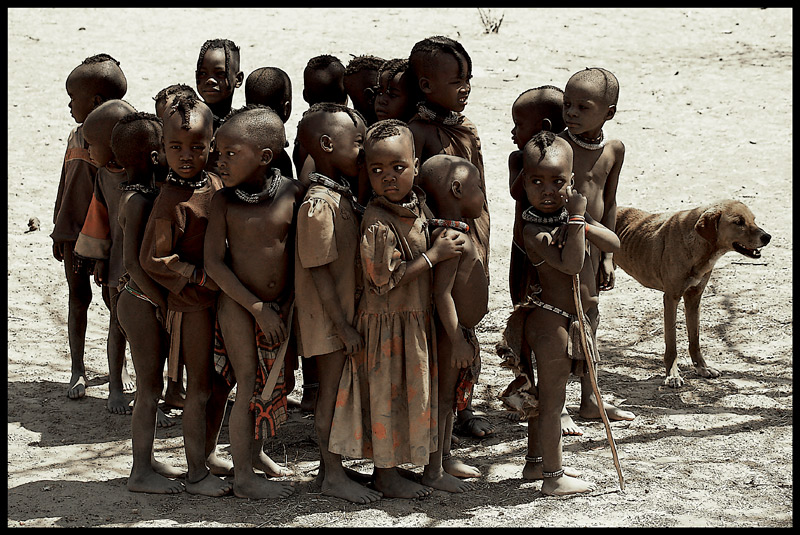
[(675, 253)]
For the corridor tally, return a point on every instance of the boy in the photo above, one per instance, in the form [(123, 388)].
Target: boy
[(328, 274), (590, 99), (97, 79), (360, 79), (271, 86), (461, 296), (323, 81), (141, 304), (172, 255), (248, 253), (442, 69), (101, 239), (549, 317)]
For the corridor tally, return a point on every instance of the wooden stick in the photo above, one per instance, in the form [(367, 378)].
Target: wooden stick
[(576, 293)]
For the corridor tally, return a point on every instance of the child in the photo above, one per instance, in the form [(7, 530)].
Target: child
[(394, 98), (248, 253), (550, 323), (164, 98), (360, 79), (442, 69), (271, 86), (328, 273), (218, 75), (323, 81), (590, 99), (101, 239), (141, 303), (172, 255), (461, 296), (386, 406), (97, 79)]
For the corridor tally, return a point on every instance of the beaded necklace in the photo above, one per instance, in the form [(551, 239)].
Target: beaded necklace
[(343, 189), (411, 204), (449, 223), (595, 144), (268, 193), (452, 118), (141, 188), (531, 215), (185, 183)]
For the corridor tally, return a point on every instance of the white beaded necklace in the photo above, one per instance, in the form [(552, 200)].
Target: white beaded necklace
[(588, 146)]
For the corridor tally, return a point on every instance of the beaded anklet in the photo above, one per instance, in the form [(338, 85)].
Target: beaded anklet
[(534, 460), (557, 473)]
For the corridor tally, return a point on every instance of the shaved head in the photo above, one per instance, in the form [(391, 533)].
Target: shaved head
[(603, 83), (259, 124)]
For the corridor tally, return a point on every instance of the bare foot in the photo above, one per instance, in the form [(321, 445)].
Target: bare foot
[(458, 468), (392, 485), (614, 413), (162, 420), (565, 485), (444, 481), (264, 463), (117, 404), (175, 396), (533, 471), (219, 466), (347, 489), (568, 426), (209, 485), (166, 470), (128, 384), (77, 387), (254, 486), (154, 483), (472, 425)]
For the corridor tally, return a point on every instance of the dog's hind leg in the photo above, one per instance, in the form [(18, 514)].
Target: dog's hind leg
[(670, 350), (691, 302)]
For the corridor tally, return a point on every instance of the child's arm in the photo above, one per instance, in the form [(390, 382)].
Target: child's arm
[(131, 212), (569, 258), (214, 248), (602, 237), (515, 176), (323, 281), (444, 276), (609, 218)]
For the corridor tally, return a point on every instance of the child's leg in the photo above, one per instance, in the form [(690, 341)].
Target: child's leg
[(434, 474), (310, 384), (176, 393), (80, 296), (115, 349), (238, 332), (196, 347), (547, 335), (335, 481), (148, 351)]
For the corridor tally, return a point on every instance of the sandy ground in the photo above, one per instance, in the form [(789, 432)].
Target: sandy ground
[(705, 114)]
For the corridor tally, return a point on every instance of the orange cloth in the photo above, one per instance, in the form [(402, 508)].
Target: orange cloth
[(74, 188)]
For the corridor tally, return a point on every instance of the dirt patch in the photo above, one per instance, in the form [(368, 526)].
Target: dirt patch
[(704, 113)]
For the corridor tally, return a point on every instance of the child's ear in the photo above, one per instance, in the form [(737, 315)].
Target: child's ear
[(266, 156), (416, 166), (572, 179), (239, 79), (424, 85), (326, 143), (456, 189), (154, 157), (287, 109), (97, 100), (612, 110), (547, 124)]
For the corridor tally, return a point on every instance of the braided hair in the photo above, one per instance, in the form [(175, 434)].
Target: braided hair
[(385, 129), (423, 53), (186, 106), (231, 54), (539, 142)]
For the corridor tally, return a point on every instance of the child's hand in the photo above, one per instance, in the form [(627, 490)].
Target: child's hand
[(351, 339), (606, 274), (99, 272), (448, 244), (462, 353), (560, 236), (58, 251), (576, 202), (270, 323)]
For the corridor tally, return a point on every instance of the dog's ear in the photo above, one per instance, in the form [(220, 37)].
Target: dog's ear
[(707, 225)]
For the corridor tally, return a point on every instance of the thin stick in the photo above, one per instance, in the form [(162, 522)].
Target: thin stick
[(576, 293)]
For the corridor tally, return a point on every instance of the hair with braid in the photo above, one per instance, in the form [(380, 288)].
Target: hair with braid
[(603, 79), (323, 80), (175, 89), (540, 142), (385, 129), (365, 62), (134, 137), (186, 106), (269, 86), (423, 55), (393, 67), (231, 55)]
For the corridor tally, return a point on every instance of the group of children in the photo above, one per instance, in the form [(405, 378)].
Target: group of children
[(372, 264)]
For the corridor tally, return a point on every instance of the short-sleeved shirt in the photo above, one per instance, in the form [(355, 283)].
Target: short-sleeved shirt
[(327, 234), (74, 189)]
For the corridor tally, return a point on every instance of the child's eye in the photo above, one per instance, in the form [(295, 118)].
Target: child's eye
[(375, 170), (399, 168)]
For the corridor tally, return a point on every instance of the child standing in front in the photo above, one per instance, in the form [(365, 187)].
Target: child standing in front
[(328, 274), (386, 407), (443, 69), (461, 296), (172, 255), (142, 304), (97, 79), (590, 99), (551, 325), (101, 240), (249, 253)]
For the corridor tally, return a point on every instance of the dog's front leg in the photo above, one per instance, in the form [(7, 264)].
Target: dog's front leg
[(670, 350), (691, 302)]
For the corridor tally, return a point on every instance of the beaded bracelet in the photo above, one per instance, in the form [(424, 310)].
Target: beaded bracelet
[(579, 220), (428, 260), (202, 278)]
